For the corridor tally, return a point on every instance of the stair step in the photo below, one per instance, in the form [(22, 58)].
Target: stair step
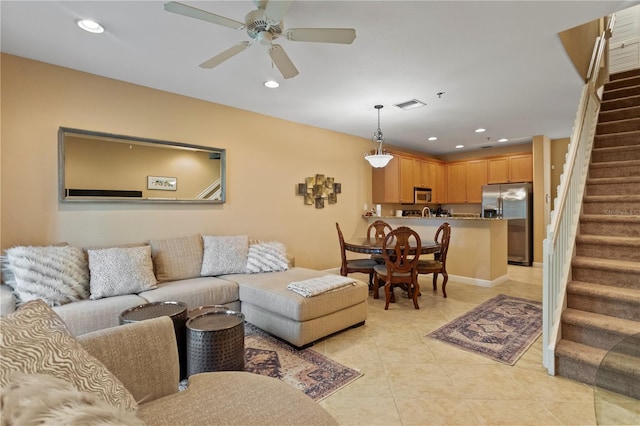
[(631, 80), (613, 186), (604, 299), (596, 330), (623, 92), (616, 139), (618, 126), (607, 247), (614, 169), (610, 225), (617, 273), (615, 371), (616, 153), (624, 74), (625, 102), (619, 114), (621, 205), (577, 361)]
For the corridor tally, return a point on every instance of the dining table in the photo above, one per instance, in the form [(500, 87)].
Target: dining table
[(368, 245)]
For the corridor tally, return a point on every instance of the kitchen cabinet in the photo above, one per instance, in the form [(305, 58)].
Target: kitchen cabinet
[(511, 168), (406, 179), (476, 177), (457, 182), (465, 180), (394, 182), (439, 195)]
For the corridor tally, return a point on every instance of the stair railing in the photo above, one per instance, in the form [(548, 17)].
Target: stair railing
[(211, 192), (558, 246)]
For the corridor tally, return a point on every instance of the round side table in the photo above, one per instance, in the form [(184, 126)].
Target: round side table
[(177, 311), (215, 342), (199, 310)]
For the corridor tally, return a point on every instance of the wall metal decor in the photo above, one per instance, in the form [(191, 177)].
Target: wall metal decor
[(316, 189)]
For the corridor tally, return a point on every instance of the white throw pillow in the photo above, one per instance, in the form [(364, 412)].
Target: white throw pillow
[(225, 255), (55, 274), (116, 271), (267, 257)]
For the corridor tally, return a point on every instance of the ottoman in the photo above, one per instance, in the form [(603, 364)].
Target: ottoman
[(268, 304)]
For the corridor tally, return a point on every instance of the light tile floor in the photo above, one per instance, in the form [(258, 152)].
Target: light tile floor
[(412, 380)]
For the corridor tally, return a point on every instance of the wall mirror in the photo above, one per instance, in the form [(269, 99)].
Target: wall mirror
[(103, 167)]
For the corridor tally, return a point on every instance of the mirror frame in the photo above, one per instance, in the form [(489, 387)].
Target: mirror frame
[(62, 131)]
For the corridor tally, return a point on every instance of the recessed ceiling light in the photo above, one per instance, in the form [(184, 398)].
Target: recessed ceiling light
[(90, 26), (271, 84), (459, 146), (503, 140), (480, 130), (433, 138)]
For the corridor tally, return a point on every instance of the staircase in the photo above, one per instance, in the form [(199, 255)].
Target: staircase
[(603, 298)]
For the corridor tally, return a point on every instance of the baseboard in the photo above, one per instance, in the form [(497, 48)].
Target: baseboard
[(478, 282)]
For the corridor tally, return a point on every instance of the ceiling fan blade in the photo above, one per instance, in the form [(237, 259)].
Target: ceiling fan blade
[(282, 61), (227, 54), (322, 35), (192, 12), (276, 9)]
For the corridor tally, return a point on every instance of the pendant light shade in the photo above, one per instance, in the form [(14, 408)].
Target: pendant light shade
[(380, 158)]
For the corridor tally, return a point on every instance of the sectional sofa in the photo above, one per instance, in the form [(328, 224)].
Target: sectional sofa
[(128, 375), (95, 285)]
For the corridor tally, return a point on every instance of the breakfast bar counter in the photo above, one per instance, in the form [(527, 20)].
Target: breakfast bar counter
[(478, 247)]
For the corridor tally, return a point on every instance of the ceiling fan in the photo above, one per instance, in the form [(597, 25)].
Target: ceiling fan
[(265, 25)]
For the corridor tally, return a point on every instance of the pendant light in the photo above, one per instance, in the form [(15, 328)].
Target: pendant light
[(380, 158)]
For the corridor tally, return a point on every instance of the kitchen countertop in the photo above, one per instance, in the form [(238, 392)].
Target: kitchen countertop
[(431, 218)]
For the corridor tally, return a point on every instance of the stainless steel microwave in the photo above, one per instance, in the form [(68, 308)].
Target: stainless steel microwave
[(421, 195)]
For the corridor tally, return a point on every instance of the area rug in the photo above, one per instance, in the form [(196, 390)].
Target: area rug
[(502, 328), (307, 370)]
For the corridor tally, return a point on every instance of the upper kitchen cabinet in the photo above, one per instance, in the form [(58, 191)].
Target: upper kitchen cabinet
[(395, 182), (512, 168), (465, 180), (456, 182), (476, 177)]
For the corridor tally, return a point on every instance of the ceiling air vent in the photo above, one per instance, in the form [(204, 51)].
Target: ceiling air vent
[(412, 104)]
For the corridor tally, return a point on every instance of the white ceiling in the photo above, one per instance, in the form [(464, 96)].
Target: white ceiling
[(500, 64)]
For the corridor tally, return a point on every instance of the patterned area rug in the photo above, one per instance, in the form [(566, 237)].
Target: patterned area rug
[(501, 328), (307, 370)]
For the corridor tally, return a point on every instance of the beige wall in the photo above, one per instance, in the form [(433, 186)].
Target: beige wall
[(559, 148), (266, 158)]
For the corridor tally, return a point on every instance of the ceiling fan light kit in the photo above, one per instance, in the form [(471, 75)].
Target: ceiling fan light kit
[(380, 158), (265, 25)]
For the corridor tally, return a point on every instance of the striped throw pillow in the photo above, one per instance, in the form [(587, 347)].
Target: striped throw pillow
[(35, 340), (267, 257)]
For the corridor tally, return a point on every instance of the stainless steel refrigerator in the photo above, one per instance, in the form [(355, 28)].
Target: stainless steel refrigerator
[(514, 203)]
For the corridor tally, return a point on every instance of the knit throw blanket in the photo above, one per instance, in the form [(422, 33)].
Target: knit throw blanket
[(316, 286)]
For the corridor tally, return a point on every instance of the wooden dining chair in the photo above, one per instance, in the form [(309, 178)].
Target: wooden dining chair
[(439, 264), (400, 265), (379, 229), (349, 266)]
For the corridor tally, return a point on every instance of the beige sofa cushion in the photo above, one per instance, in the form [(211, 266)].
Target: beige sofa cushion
[(35, 340), (177, 258), (235, 398)]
